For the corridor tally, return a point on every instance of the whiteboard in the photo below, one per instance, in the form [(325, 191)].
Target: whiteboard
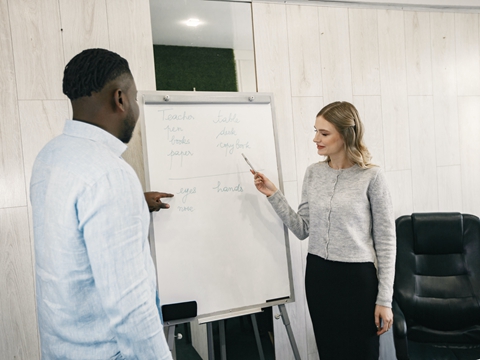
[(220, 243)]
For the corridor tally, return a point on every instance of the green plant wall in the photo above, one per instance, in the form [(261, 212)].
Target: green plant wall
[(185, 68)]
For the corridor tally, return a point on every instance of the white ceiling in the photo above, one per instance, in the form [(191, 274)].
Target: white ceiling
[(223, 24), (228, 23)]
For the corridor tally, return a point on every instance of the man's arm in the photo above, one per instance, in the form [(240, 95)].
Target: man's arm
[(114, 220)]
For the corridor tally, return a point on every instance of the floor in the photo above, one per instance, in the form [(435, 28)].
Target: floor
[(240, 339)]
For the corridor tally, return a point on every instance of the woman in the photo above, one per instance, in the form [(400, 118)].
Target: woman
[(347, 214)]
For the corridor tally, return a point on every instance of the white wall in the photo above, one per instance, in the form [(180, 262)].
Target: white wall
[(415, 78), (245, 68), (37, 39)]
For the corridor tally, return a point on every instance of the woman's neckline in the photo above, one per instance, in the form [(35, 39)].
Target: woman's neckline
[(340, 169)]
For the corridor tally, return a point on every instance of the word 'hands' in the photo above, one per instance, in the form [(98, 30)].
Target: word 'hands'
[(263, 184), (154, 202)]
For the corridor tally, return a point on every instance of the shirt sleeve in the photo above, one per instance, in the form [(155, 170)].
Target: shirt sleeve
[(384, 238), (111, 216), (297, 222)]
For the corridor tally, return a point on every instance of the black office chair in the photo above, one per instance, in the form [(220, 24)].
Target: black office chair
[(437, 287)]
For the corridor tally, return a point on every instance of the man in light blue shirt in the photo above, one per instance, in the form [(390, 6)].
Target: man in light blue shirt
[(95, 278)]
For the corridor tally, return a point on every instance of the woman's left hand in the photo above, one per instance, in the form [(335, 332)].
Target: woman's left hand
[(384, 314)]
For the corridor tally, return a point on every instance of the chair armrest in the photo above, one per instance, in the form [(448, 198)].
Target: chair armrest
[(399, 332), (399, 324)]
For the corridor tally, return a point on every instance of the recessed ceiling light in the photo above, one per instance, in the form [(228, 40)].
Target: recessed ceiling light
[(193, 22)]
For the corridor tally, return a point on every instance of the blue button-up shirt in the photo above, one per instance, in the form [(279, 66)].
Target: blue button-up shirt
[(95, 278)]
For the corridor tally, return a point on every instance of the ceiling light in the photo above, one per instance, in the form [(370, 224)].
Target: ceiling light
[(192, 22)]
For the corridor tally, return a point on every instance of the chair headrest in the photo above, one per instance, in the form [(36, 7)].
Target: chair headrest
[(438, 233)]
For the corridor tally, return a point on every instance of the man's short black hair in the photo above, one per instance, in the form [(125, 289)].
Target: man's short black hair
[(91, 70)]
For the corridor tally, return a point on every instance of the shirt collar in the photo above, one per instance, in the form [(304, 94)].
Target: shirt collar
[(92, 132)]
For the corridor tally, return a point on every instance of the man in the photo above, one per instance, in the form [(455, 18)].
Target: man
[(96, 285)]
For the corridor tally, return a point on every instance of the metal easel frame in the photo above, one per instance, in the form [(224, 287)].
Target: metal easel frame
[(223, 348)]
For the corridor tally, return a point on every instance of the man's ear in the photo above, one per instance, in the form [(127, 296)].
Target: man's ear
[(119, 100)]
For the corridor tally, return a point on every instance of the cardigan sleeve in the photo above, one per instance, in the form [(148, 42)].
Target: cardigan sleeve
[(384, 239), (297, 222)]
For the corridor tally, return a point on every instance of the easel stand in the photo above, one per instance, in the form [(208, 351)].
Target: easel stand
[(288, 327), (223, 344), (170, 333), (223, 347)]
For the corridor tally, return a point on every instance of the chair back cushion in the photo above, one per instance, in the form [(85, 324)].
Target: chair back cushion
[(437, 280)]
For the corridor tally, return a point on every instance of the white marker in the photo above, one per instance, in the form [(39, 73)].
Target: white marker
[(248, 162)]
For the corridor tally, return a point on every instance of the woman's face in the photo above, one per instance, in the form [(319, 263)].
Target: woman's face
[(328, 139)]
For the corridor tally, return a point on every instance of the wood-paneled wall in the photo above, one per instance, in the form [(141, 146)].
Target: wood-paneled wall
[(414, 77), (37, 39)]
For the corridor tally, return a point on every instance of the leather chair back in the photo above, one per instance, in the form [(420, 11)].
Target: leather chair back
[(437, 280)]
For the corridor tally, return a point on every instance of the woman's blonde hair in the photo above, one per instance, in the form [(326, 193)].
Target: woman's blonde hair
[(344, 116)]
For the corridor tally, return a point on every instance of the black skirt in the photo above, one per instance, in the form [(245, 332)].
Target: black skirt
[(341, 300)]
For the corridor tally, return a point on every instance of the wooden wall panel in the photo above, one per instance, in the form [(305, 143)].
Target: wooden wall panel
[(370, 111), (469, 113), (335, 54), (418, 54), (443, 53), (467, 53), (37, 48), (450, 188), (40, 122), (446, 130), (12, 180), (364, 51), (136, 46), (246, 76), (273, 75), (422, 145), (245, 66), (84, 25), (18, 320), (400, 186), (304, 51), (305, 110), (296, 310), (393, 81), (445, 88)]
